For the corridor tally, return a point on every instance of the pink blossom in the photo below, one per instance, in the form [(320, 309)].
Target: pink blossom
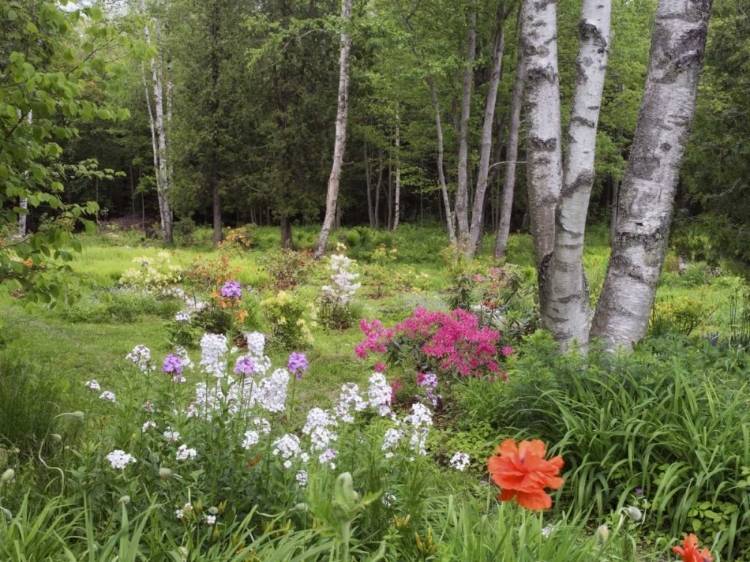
[(507, 351), (380, 368)]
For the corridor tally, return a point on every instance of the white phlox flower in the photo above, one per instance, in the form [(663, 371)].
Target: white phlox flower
[(120, 459), (379, 394), (460, 461), (213, 354), (349, 399), (183, 453)]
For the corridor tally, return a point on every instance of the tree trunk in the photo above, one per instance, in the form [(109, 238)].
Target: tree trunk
[(440, 157), (484, 156), (462, 193), (509, 182), (377, 188), (542, 101), (613, 218), (389, 195), (564, 299), (160, 159), (368, 182), (214, 30), (397, 195), (647, 193), (24, 203), (286, 232), (340, 144)]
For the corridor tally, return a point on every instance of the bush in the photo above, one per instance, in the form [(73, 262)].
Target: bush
[(241, 239), (185, 230), (671, 420), (287, 268), (119, 305), (285, 314)]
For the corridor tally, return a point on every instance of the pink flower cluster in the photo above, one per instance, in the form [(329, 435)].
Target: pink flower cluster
[(454, 339)]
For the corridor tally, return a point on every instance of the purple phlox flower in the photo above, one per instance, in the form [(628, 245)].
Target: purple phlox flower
[(231, 290), (244, 366), (639, 491), (172, 364), (297, 364)]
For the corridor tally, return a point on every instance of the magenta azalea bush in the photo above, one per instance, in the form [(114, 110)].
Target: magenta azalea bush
[(445, 342)]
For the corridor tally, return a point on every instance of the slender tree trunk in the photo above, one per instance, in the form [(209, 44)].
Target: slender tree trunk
[(397, 195), (449, 219), (648, 189), (214, 27), (542, 101), (368, 182), (286, 232), (509, 181), (564, 299), (613, 218), (477, 213), (377, 188), (389, 194), (24, 203), (340, 144), (462, 193), (162, 175)]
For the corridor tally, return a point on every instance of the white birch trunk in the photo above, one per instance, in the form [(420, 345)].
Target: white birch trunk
[(486, 150), (647, 192), (509, 182), (397, 194), (542, 103), (462, 192), (564, 298), (441, 169), (340, 144), (24, 203), (162, 175)]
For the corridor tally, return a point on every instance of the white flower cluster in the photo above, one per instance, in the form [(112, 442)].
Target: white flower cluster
[(183, 453), (182, 317), (391, 439), (120, 459), (288, 446), (256, 344), (148, 425), (251, 439), (342, 287), (141, 358), (187, 363), (421, 420), (214, 349), (379, 394), (108, 395), (301, 477), (171, 435), (93, 386), (327, 456), (348, 399), (270, 393), (460, 461), (318, 427)]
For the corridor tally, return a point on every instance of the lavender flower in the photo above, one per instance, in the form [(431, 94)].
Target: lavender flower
[(231, 290), (297, 364), (244, 366), (172, 365)]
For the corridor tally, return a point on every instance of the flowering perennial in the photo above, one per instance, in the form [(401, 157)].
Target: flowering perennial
[(689, 551), (297, 364), (460, 461), (342, 287), (120, 459), (108, 395), (183, 453), (93, 386)]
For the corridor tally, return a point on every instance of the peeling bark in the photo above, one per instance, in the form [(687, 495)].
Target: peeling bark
[(646, 198), (564, 299), (462, 193), (542, 108), (342, 111)]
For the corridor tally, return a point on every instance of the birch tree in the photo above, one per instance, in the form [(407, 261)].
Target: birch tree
[(646, 198), (340, 142)]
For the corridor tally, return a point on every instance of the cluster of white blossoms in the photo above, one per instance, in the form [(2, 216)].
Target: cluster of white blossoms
[(460, 461), (141, 358), (148, 425), (288, 447), (184, 453), (349, 399), (120, 459), (420, 420), (108, 395), (171, 436), (391, 439), (183, 317), (318, 426), (214, 349), (301, 477), (379, 394), (93, 386), (343, 286)]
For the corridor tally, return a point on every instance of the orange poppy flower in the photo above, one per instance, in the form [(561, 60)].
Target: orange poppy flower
[(523, 473), (689, 551)]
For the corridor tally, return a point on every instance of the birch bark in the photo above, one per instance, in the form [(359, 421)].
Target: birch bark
[(564, 298), (509, 182), (462, 192), (440, 162), (340, 143), (486, 150), (542, 108), (397, 194), (647, 192)]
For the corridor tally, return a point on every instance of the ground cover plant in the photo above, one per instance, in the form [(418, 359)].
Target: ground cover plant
[(369, 442)]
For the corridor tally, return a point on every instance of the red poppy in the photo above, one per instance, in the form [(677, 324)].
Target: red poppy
[(689, 551), (523, 473)]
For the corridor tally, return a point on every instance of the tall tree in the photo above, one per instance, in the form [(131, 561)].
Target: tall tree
[(340, 143), (214, 30), (647, 193)]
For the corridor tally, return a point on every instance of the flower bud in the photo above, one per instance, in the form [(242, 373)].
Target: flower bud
[(78, 415), (56, 437), (7, 513), (165, 473), (125, 500), (213, 510), (602, 533), (7, 476), (634, 513)]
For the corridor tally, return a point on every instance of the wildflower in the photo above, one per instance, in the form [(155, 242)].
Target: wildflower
[(108, 395), (602, 533), (170, 435), (327, 456), (93, 386), (388, 499), (380, 367), (183, 453), (251, 439), (256, 342), (140, 357), (689, 551), (264, 427), (639, 491), (270, 393), (148, 425), (421, 420), (231, 290), (390, 440), (507, 351), (297, 364), (349, 398), (301, 477), (634, 513), (148, 407), (210, 519), (120, 459), (182, 317), (429, 382), (213, 349), (547, 531), (287, 446), (172, 365), (460, 461), (522, 473), (379, 394), (244, 366)]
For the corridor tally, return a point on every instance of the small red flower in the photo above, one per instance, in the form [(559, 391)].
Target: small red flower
[(523, 473), (689, 551)]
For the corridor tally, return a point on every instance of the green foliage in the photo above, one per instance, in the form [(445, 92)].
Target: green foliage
[(285, 313), (287, 268), (679, 315), (119, 305)]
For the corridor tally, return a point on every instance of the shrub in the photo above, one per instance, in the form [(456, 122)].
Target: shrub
[(154, 274), (335, 298), (240, 239), (185, 230), (287, 268), (285, 314)]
